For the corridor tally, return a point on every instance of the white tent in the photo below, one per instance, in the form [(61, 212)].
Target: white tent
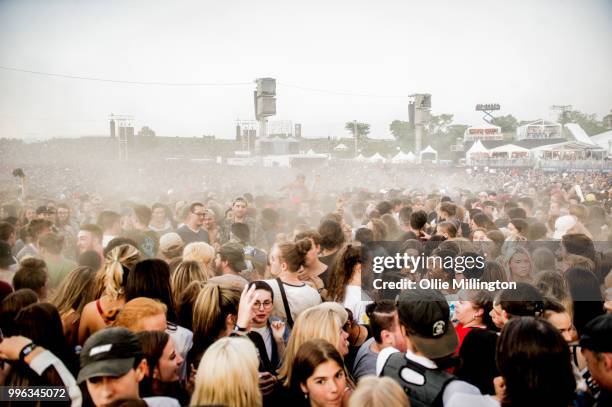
[(579, 134), (477, 150), (376, 158), (604, 140), (429, 150), (311, 152), (360, 158), (341, 147), (401, 158), (411, 157), (510, 148)]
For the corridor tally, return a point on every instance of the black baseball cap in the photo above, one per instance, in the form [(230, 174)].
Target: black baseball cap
[(597, 333), (234, 254), (109, 352), (426, 316)]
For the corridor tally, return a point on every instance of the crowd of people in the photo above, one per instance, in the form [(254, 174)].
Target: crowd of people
[(213, 293)]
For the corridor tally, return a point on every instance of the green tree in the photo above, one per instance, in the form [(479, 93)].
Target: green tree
[(403, 134), (437, 125), (362, 129), (508, 123), (588, 122)]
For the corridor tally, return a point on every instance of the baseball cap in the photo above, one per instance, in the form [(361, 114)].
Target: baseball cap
[(563, 224), (170, 240), (5, 253), (597, 333), (234, 254), (109, 352), (426, 315)]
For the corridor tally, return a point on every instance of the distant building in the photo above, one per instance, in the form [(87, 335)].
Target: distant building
[(540, 130)]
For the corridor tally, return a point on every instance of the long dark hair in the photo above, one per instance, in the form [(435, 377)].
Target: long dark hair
[(151, 278), (42, 324), (534, 360), (310, 355), (586, 295), (342, 271)]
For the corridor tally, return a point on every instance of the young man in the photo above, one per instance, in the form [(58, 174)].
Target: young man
[(36, 228), (145, 238), (113, 364), (597, 350), (386, 332), (89, 238), (239, 215), (192, 230), (523, 301), (110, 222), (430, 337), (51, 245), (229, 265)]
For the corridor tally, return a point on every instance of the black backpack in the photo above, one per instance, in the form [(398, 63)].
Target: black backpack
[(425, 394)]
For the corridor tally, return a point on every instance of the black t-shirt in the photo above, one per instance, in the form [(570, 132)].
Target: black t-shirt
[(189, 236)]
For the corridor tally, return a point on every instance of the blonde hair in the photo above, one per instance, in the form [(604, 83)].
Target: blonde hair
[(75, 291), (109, 279), (213, 304), (185, 273), (375, 391), (227, 375), (509, 253), (203, 253), (134, 311), (320, 322)]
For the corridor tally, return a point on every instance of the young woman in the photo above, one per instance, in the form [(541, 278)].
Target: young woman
[(203, 253), (472, 311), (314, 270), (375, 391), (319, 375), (345, 283), (294, 296), (517, 264), (534, 363), (185, 273), (227, 375), (163, 361), (214, 317), (49, 334), (267, 335), (110, 285), (324, 321), (71, 297)]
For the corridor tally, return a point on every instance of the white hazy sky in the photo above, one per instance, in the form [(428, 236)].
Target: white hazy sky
[(525, 55)]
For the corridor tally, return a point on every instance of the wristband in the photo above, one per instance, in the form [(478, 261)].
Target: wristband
[(26, 351)]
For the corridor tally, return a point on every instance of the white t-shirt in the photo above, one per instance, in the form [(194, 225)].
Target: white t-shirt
[(299, 297), (357, 301), (266, 335)]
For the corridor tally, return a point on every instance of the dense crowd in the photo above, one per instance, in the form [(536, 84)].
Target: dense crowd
[(253, 287)]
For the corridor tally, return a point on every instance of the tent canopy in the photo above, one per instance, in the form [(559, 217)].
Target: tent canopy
[(579, 134), (341, 147), (429, 150), (477, 147), (376, 158), (510, 148), (403, 158)]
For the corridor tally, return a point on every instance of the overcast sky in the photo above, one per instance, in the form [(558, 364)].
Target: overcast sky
[(524, 55)]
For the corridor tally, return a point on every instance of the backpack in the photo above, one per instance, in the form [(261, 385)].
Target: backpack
[(424, 394)]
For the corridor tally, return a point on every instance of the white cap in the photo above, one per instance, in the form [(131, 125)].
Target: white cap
[(563, 224)]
